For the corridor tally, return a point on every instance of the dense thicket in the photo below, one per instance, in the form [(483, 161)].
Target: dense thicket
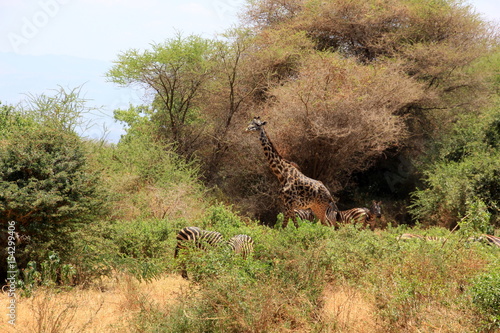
[(403, 64), (341, 84), (44, 181)]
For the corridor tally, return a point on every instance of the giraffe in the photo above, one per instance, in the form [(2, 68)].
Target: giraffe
[(297, 191)]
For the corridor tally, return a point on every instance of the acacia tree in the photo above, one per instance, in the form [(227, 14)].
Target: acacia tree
[(339, 115), (45, 180), (374, 73), (431, 41), (47, 185), (175, 73), (231, 94), (350, 81)]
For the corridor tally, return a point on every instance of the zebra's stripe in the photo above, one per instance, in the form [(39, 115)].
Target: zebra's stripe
[(241, 244), (198, 236), (355, 215), (490, 239)]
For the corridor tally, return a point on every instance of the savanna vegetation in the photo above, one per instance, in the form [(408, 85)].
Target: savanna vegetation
[(396, 101)]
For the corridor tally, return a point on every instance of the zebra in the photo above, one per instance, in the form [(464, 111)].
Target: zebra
[(407, 236), (492, 240), (355, 215), (197, 236), (241, 244), (489, 239)]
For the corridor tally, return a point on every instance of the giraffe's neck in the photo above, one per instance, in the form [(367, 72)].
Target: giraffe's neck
[(276, 162)]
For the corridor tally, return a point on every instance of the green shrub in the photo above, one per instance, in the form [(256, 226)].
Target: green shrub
[(485, 292), (141, 238), (13, 120), (48, 189), (152, 161), (222, 217), (45, 182), (144, 247), (49, 272), (462, 171)]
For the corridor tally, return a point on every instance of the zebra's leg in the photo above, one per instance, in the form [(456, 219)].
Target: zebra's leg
[(320, 211), (184, 273), (372, 224), (182, 263)]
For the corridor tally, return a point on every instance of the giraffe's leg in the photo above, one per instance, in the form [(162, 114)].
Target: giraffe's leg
[(289, 214), (287, 208), (293, 216)]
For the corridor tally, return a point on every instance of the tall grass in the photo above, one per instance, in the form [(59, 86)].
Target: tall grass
[(316, 279)]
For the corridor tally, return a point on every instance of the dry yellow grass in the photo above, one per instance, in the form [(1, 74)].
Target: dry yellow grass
[(90, 310), (348, 310)]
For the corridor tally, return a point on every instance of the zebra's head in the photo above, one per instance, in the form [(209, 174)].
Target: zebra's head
[(376, 209), (256, 124)]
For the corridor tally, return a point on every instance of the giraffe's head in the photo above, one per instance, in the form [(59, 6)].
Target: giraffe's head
[(256, 124), (376, 209)]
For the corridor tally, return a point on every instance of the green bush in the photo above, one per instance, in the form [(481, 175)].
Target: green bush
[(461, 173), (144, 248), (45, 182), (141, 238), (48, 189), (12, 120), (485, 292)]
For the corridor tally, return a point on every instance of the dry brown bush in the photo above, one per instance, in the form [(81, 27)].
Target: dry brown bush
[(430, 41), (338, 115)]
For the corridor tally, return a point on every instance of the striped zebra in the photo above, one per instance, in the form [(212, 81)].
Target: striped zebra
[(365, 216), (241, 244), (407, 236), (199, 237), (492, 240), (489, 239)]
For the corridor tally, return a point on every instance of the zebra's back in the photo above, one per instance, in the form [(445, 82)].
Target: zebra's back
[(198, 236), (425, 238), (492, 240), (305, 214), (355, 215)]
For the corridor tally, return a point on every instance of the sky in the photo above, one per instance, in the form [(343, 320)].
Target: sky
[(49, 43), (100, 29)]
